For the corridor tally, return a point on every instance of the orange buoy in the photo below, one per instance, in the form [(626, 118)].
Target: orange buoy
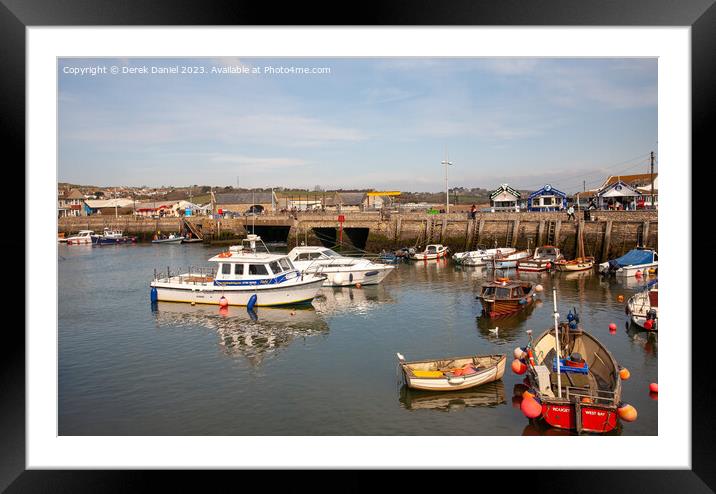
[(627, 413), (358, 285), (654, 388), (531, 408), (620, 298), (612, 327), (223, 302), (624, 373), (518, 367), (586, 399)]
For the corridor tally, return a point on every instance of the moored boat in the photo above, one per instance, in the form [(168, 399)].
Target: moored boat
[(244, 276), (581, 262), (580, 390), (450, 374), (640, 260), (84, 237), (114, 236), (431, 252), (481, 256), (501, 296), (543, 259), (339, 270), (643, 307), (171, 239), (503, 261)]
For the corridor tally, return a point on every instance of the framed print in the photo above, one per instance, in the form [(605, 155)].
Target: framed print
[(272, 242)]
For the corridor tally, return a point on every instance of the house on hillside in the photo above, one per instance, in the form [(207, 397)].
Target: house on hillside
[(546, 199), (71, 204), (505, 198)]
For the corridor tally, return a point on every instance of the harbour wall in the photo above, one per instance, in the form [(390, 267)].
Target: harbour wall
[(607, 235)]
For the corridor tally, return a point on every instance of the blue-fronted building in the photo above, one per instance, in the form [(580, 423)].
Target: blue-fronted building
[(547, 199)]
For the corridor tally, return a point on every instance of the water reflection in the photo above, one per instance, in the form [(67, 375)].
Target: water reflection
[(647, 339), (487, 395), (509, 328), (241, 333), (350, 300)]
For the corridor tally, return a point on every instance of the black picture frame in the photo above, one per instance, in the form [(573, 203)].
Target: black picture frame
[(16, 15)]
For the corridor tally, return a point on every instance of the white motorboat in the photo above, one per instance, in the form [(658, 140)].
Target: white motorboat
[(82, 238), (507, 261), (643, 307), (244, 276), (432, 251), (641, 260), (339, 270), (171, 239), (481, 257)]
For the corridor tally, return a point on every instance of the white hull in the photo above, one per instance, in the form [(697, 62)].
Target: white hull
[(629, 271), (177, 240), (638, 307), (480, 257), (429, 257), (457, 382), (350, 278), (266, 295)]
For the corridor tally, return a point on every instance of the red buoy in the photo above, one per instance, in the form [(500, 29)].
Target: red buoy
[(648, 324), (518, 367), (531, 408), (612, 327), (638, 274), (654, 388), (223, 302), (549, 265)]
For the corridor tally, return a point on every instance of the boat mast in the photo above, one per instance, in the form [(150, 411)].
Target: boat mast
[(556, 340)]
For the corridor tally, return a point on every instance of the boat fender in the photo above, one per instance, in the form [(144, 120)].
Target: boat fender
[(531, 408), (371, 273), (153, 296), (252, 303), (572, 325), (350, 277), (518, 367), (627, 412)]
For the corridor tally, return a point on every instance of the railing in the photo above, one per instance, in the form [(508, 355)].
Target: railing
[(191, 275), (606, 397)]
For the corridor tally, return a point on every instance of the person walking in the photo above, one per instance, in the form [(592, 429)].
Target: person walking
[(570, 212), (473, 212)]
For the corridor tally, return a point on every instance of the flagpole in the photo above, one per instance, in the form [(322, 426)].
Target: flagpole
[(556, 339)]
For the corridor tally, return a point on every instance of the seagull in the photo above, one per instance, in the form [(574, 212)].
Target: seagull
[(494, 330)]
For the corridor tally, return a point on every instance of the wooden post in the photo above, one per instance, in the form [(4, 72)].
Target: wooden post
[(443, 230), (398, 225), (557, 228), (540, 233), (606, 241), (515, 231), (469, 231), (480, 229), (645, 234)]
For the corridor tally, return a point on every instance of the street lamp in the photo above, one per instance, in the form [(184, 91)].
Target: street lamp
[(447, 194)]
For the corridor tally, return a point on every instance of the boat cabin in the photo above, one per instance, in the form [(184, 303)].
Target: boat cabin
[(505, 290), (546, 252), (244, 265), (312, 253)]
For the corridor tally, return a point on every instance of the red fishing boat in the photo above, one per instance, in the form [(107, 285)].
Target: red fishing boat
[(581, 390)]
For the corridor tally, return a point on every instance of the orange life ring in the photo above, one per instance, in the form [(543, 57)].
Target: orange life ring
[(503, 280), (225, 254)]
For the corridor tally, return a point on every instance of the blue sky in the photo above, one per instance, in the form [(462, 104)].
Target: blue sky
[(382, 123)]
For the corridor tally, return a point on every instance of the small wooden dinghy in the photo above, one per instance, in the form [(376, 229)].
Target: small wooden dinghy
[(451, 374), (581, 262)]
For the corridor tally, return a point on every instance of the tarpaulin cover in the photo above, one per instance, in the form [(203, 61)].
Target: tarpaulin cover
[(634, 257)]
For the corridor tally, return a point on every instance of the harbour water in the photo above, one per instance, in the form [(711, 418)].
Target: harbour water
[(127, 368)]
